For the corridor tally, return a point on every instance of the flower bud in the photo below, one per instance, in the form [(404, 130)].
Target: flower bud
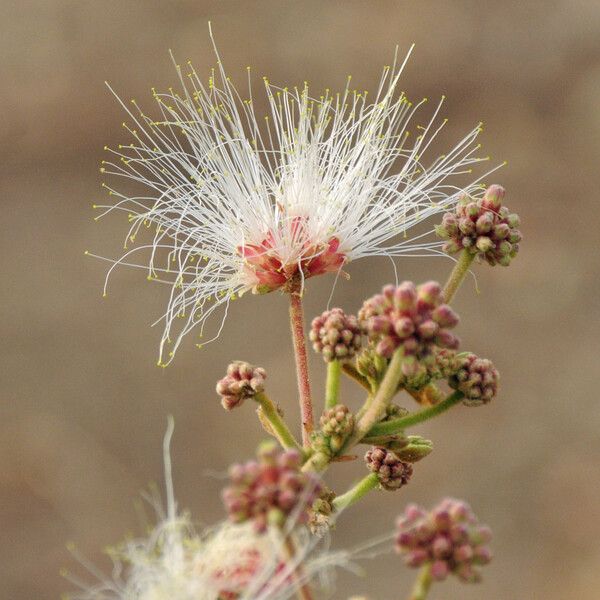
[(448, 538), (476, 378), (371, 364), (411, 317), (337, 424), (335, 335), (241, 382), (484, 227), (392, 472), (415, 449), (271, 489)]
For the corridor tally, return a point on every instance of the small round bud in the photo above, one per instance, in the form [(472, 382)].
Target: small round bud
[(392, 472), (447, 537), (335, 335), (241, 382), (411, 317), (484, 227), (476, 378)]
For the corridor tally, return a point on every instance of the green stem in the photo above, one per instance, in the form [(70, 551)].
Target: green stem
[(377, 405), (278, 425), (355, 493), (332, 390), (352, 372), (396, 425), (316, 463), (422, 584), (457, 275), (297, 324)]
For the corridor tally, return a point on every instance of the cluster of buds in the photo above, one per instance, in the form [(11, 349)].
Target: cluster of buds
[(444, 365), (449, 538), (411, 317), (270, 489), (483, 227), (476, 378), (391, 471), (337, 424), (241, 382), (335, 335)]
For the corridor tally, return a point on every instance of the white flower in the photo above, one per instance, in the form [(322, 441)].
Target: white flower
[(235, 202), (231, 562), (227, 562)]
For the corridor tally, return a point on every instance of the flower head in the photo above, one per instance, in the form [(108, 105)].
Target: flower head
[(241, 382), (336, 424), (335, 335), (476, 378), (236, 202), (271, 489), (391, 471), (449, 537), (408, 316), (483, 227)]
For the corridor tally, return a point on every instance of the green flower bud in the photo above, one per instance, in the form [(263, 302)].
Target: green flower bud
[(415, 449)]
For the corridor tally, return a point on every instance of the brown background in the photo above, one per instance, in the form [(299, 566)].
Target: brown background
[(84, 408)]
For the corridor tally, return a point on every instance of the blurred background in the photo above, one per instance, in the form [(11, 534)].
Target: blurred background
[(83, 406)]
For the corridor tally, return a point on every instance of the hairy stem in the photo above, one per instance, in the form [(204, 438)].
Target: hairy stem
[(461, 268), (317, 462), (332, 390), (377, 405), (355, 493), (395, 425), (350, 370), (297, 324), (277, 425), (422, 584)]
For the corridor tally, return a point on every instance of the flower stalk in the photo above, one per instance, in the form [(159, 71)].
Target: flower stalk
[(297, 325), (422, 584), (277, 425), (332, 390), (355, 493), (395, 425), (376, 408), (458, 274)]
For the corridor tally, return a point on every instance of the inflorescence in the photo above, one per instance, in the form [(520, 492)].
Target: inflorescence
[(483, 227), (449, 538), (269, 490)]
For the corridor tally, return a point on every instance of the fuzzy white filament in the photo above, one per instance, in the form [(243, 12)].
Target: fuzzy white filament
[(216, 179)]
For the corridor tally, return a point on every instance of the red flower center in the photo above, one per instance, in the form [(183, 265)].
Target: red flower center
[(268, 271)]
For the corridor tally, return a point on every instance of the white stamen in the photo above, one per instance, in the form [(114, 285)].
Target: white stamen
[(216, 178)]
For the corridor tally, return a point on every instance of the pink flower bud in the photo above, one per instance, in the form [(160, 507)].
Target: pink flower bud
[(439, 570), (482, 227), (449, 538)]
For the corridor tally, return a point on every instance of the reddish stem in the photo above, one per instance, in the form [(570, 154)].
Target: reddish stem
[(297, 323)]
